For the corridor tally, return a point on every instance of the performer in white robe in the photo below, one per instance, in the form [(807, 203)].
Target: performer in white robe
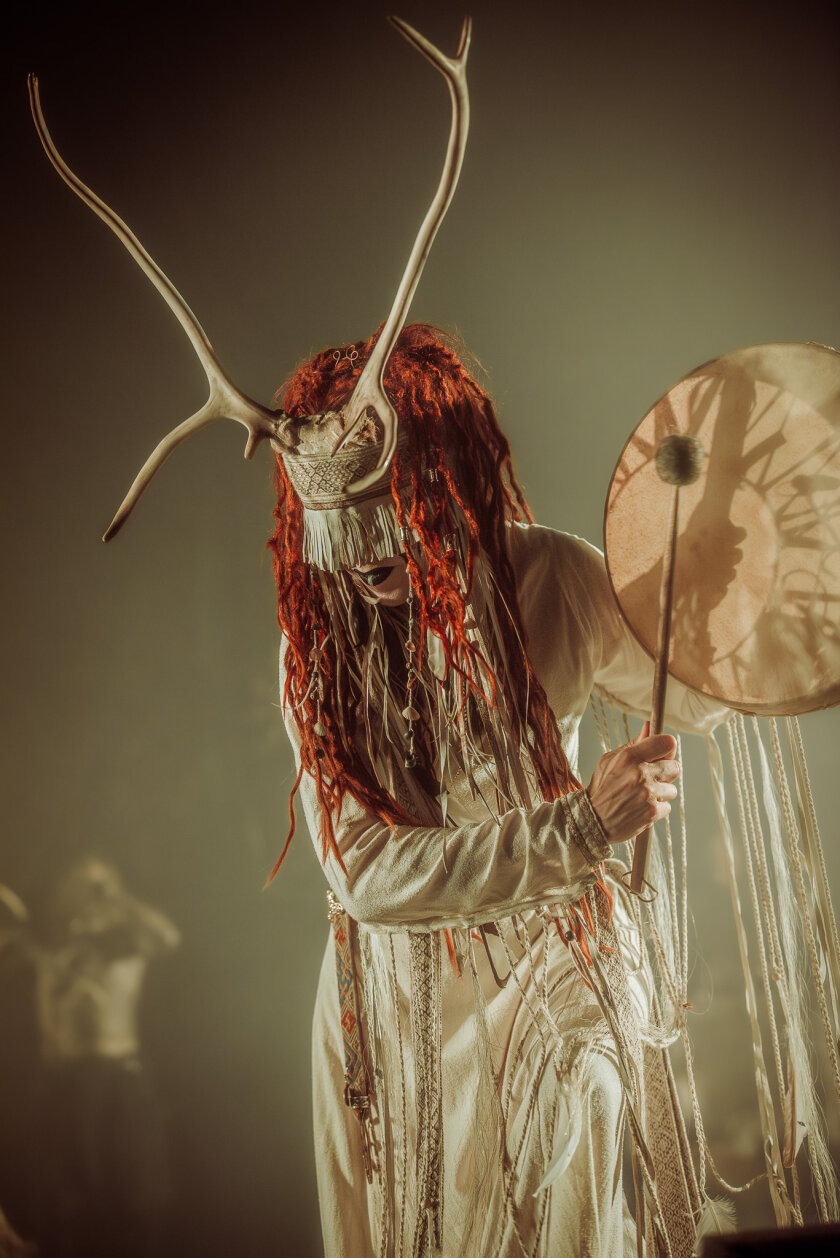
[(456, 811), (498, 1018), (496, 1109)]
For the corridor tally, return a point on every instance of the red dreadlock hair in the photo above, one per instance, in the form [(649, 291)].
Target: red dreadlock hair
[(458, 465)]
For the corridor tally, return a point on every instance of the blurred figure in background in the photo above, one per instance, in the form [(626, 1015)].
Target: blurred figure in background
[(11, 1245), (14, 920), (102, 1143)]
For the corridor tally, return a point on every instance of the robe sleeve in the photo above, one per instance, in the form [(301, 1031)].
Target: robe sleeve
[(430, 877), (579, 639)]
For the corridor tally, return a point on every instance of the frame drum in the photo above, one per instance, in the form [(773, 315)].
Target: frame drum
[(756, 600)]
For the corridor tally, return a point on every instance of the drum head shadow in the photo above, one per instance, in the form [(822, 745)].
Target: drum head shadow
[(757, 575)]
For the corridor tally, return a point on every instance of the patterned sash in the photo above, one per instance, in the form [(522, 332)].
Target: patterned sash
[(355, 1075)]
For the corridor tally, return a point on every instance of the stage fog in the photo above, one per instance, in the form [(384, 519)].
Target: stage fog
[(642, 192)]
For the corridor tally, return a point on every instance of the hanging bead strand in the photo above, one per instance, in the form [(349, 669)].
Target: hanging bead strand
[(410, 712), (318, 728)]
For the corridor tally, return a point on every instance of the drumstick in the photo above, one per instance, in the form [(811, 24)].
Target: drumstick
[(679, 460)]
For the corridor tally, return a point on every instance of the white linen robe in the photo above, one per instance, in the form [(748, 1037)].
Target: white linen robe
[(529, 1088)]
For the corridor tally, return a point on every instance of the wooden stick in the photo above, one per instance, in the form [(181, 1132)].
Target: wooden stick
[(660, 678)]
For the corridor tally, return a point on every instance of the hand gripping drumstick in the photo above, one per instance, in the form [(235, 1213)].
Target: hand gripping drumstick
[(679, 460)]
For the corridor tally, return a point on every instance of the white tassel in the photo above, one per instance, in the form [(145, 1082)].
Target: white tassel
[(717, 1215), (351, 535), (431, 1249)]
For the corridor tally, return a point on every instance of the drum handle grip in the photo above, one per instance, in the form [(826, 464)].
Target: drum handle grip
[(641, 847)]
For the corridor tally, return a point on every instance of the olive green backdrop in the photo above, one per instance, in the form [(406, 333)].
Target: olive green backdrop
[(645, 187)]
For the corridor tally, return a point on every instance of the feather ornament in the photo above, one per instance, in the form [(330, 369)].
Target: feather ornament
[(717, 1215), (570, 1141)]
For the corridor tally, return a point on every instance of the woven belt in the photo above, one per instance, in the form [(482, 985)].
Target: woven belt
[(355, 1075)]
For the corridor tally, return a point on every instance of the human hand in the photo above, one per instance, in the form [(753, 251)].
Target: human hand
[(631, 786)]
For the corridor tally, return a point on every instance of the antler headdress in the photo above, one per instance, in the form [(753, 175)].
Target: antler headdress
[(350, 474)]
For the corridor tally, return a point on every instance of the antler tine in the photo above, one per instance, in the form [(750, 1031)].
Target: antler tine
[(225, 401), (369, 390)]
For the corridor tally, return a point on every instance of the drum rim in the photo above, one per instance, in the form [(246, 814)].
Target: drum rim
[(798, 706)]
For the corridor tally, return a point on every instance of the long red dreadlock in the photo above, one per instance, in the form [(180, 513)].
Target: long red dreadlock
[(458, 466)]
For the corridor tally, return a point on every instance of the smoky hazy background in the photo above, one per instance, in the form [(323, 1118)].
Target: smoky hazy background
[(645, 188)]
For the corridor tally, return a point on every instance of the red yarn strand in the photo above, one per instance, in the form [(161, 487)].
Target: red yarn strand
[(461, 484)]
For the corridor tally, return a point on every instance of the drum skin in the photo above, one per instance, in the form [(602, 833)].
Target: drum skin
[(756, 606)]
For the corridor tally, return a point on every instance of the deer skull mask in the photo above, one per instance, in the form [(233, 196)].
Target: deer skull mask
[(345, 477)]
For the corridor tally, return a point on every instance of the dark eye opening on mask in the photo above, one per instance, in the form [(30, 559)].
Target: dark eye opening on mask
[(374, 576)]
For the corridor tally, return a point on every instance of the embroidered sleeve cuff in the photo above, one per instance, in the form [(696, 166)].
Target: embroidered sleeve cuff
[(585, 829)]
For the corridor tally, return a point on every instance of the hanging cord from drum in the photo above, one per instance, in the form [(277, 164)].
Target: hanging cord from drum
[(796, 861), (763, 909), (780, 934), (802, 1112), (793, 866), (764, 914), (804, 1121), (774, 1172), (780, 962), (826, 921)]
